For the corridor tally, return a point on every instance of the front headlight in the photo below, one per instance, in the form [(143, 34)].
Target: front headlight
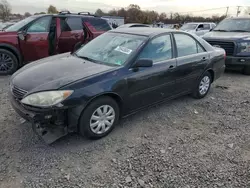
[(46, 98), (244, 47)]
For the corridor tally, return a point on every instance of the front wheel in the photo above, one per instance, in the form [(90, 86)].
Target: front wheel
[(99, 118), (246, 70), (203, 86)]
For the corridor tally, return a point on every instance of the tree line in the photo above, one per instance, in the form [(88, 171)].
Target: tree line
[(134, 14)]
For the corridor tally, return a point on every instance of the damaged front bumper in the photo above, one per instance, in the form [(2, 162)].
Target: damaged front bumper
[(48, 124)]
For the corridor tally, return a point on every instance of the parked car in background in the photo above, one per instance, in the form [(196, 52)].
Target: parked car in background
[(114, 75), (40, 36), (233, 34), (114, 21), (198, 28), (133, 25), (5, 25)]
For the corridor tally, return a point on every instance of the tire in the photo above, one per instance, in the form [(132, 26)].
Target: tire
[(206, 78), (85, 119), (7, 59), (246, 70)]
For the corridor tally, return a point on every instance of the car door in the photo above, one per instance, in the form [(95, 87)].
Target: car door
[(206, 28), (36, 45), (96, 26), (199, 30), (71, 33), (191, 61), (152, 84)]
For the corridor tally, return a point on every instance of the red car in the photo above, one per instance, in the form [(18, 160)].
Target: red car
[(40, 36)]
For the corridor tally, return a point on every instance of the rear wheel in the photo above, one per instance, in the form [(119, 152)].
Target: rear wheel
[(246, 70), (8, 62), (99, 118), (203, 86)]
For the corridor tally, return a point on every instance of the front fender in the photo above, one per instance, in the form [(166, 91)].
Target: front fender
[(13, 49), (83, 97)]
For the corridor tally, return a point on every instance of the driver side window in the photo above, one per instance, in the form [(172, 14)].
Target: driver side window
[(40, 25), (158, 49)]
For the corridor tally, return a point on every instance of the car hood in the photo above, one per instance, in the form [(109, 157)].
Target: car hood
[(55, 72), (226, 35)]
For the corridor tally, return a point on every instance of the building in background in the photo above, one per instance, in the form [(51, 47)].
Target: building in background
[(114, 21)]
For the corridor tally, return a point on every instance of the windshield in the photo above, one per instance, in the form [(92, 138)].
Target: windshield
[(189, 26), (234, 25), (111, 48), (20, 24)]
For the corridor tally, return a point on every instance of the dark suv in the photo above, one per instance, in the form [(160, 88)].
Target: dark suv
[(233, 34), (40, 36)]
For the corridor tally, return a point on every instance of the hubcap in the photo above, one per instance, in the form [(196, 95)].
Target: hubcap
[(204, 85), (6, 63), (102, 119)]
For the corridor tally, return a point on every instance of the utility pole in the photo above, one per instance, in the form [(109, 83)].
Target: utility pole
[(238, 11), (227, 11)]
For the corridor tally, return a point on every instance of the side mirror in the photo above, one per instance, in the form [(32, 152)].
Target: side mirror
[(198, 29), (22, 35), (211, 30), (143, 63)]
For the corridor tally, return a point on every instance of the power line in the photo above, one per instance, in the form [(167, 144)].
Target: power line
[(203, 10)]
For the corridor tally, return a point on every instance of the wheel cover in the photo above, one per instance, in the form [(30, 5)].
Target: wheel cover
[(204, 85), (102, 119), (6, 62)]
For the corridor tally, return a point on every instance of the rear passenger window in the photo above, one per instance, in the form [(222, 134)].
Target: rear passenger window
[(206, 26), (199, 48), (186, 45), (71, 24), (98, 24)]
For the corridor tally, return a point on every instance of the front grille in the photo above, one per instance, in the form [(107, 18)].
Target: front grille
[(227, 46), (18, 92)]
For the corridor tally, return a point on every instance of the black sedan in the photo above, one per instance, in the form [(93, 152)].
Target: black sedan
[(114, 75)]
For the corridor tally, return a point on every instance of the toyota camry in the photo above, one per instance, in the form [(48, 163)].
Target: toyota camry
[(116, 74)]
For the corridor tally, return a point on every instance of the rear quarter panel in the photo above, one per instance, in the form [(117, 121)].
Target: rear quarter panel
[(217, 58)]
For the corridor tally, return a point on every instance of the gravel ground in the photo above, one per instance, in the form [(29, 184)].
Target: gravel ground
[(182, 143)]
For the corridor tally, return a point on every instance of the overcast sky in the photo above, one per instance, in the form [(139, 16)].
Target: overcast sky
[(167, 6)]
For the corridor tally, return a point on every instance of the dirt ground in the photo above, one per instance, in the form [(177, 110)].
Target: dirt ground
[(183, 143)]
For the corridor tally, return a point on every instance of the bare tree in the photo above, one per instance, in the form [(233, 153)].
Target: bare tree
[(27, 14), (52, 10), (5, 10)]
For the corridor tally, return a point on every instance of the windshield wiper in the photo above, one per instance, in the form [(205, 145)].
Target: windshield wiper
[(238, 30), (220, 30)]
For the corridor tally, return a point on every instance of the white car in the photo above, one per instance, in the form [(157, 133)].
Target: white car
[(199, 29)]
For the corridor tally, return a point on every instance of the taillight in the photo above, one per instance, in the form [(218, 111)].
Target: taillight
[(225, 55)]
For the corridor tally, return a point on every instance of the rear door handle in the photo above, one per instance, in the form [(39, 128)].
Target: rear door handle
[(204, 59), (171, 67)]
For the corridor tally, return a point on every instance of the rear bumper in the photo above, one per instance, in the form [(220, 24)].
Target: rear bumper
[(49, 124), (218, 72), (239, 61)]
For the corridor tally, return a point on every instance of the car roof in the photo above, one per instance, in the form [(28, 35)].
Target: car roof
[(144, 31), (131, 24), (240, 17), (67, 15), (200, 23)]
